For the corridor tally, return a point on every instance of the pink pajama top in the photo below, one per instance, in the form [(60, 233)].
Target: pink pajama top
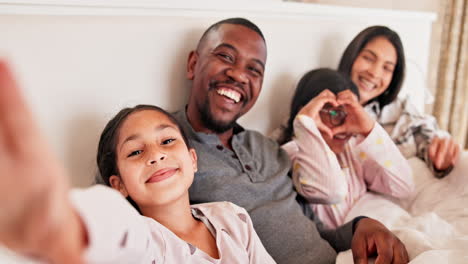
[(119, 234), (333, 183)]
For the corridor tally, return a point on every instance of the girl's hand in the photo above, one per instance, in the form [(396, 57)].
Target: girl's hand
[(357, 120), (443, 152), (312, 109), (36, 218)]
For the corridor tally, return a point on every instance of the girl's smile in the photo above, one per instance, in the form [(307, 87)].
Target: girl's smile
[(162, 174)]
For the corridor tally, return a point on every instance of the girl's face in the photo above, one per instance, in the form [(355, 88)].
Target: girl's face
[(373, 68), (155, 165)]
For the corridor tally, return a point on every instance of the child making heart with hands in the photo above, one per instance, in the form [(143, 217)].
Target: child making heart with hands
[(338, 152)]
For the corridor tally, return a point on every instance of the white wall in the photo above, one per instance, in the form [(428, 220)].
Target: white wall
[(80, 64)]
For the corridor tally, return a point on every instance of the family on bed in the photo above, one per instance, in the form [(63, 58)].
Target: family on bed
[(196, 187)]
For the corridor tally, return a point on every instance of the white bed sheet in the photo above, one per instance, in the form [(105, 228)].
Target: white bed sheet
[(433, 223)]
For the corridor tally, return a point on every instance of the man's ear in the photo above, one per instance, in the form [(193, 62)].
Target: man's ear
[(192, 61), (193, 155), (117, 183)]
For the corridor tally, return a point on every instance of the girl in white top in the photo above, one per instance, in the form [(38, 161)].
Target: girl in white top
[(142, 154)]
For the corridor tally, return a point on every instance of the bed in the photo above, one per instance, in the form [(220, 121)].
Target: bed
[(433, 223)]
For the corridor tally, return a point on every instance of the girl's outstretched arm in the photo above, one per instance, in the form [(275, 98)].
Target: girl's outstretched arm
[(36, 218)]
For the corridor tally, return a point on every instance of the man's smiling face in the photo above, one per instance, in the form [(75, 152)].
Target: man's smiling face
[(227, 73)]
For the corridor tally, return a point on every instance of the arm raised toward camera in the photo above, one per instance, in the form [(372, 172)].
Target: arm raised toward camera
[(36, 218)]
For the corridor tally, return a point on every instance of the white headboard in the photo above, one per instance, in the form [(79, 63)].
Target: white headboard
[(81, 61)]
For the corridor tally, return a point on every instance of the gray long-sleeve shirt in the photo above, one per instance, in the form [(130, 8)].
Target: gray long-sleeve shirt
[(255, 176)]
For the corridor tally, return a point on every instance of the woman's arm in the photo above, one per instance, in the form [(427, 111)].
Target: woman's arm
[(418, 134)]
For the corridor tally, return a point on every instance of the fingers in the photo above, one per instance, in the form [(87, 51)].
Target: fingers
[(324, 128), (400, 254), (313, 106), (384, 249), (443, 152), (372, 237), (434, 152), (15, 120), (433, 148), (328, 94), (347, 95), (359, 250)]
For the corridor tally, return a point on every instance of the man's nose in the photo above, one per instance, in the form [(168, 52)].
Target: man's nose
[(237, 74)]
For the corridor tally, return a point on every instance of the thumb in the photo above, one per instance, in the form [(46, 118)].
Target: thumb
[(325, 129)]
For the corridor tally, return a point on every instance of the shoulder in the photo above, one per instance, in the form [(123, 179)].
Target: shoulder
[(225, 216), (219, 207), (255, 139)]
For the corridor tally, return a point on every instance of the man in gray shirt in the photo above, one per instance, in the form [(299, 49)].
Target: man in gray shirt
[(250, 170)]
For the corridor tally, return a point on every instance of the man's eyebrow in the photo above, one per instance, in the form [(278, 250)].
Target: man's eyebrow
[(226, 45), (229, 46), (135, 136)]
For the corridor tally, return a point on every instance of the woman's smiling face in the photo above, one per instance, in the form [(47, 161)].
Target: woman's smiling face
[(372, 71), (155, 165)]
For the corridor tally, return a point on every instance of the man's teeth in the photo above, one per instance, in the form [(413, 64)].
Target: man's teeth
[(233, 95)]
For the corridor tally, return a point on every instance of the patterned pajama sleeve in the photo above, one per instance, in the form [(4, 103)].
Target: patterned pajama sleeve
[(384, 168), (317, 175)]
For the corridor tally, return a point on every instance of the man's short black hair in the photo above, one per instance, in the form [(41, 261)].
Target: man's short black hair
[(234, 21)]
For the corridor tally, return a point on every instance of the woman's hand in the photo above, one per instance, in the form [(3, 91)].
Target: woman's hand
[(313, 107), (357, 120), (443, 152), (36, 218)]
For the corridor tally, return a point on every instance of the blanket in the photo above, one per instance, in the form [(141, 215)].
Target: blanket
[(432, 223)]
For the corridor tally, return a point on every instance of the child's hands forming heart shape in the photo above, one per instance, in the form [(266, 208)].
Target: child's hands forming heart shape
[(357, 120), (333, 115), (336, 114)]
